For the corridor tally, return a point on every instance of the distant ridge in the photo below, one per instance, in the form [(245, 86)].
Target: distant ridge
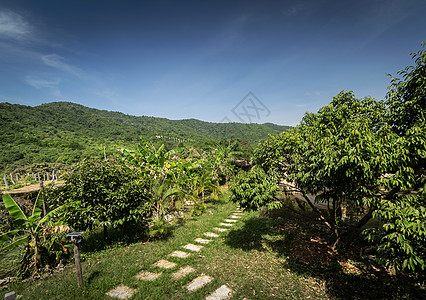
[(66, 132)]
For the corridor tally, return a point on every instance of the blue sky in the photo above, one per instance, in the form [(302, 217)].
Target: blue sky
[(199, 59)]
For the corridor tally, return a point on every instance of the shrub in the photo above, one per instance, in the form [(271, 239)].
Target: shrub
[(102, 193)]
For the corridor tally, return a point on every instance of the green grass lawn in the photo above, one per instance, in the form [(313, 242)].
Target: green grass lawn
[(258, 258)]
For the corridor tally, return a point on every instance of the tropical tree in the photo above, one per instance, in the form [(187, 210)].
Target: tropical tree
[(102, 193), (334, 156), (402, 211), (366, 154), (407, 97), (31, 231), (147, 157)]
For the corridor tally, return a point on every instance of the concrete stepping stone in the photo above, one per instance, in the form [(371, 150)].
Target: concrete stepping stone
[(211, 234), (221, 293), (121, 292), (180, 254), (182, 272), (230, 221), (192, 247), (145, 275), (162, 263), (199, 282), (219, 229), (235, 217), (226, 224), (202, 241)]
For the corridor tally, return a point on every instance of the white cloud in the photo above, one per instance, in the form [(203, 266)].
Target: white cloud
[(42, 83), (315, 93), (52, 85), (13, 25), (56, 61)]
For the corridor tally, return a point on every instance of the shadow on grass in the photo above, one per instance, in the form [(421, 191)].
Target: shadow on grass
[(92, 276), (94, 241), (307, 251), (258, 234)]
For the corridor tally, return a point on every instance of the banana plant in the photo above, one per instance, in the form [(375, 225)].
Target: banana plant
[(162, 194), (29, 231), (147, 155)]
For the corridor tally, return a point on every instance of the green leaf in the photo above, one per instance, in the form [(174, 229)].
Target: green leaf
[(23, 240), (50, 215), (13, 208), (37, 209), (8, 235)]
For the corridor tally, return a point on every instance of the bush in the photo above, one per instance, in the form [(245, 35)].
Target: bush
[(102, 193), (254, 189)]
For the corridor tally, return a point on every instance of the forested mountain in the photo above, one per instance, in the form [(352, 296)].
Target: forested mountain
[(65, 132)]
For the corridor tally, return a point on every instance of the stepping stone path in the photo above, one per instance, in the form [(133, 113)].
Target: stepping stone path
[(180, 254), (182, 272), (145, 275), (220, 229), (211, 234), (226, 224), (202, 241), (192, 247), (223, 292), (121, 292), (199, 282), (164, 264)]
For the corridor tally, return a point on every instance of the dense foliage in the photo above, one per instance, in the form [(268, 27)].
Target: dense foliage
[(402, 211), (253, 190), (406, 97), (66, 133), (35, 233), (364, 154), (336, 154), (102, 193)]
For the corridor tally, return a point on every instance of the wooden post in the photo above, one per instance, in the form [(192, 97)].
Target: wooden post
[(104, 155), (77, 263), (76, 238), (5, 181), (10, 296), (11, 178)]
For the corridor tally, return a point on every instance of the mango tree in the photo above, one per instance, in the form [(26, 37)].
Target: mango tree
[(368, 154), (401, 238), (335, 155)]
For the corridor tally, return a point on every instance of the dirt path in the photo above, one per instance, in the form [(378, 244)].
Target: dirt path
[(31, 188)]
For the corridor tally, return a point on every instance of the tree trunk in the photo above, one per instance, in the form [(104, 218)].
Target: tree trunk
[(337, 241), (42, 197), (105, 233)]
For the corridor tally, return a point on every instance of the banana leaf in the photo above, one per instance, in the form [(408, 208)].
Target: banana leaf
[(13, 208), (16, 243)]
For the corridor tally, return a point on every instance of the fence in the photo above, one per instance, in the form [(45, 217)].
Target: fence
[(14, 178)]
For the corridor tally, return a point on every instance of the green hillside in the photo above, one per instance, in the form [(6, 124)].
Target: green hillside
[(65, 132)]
